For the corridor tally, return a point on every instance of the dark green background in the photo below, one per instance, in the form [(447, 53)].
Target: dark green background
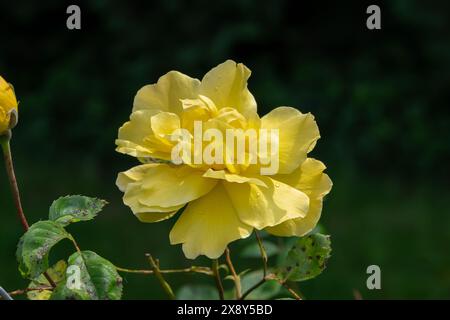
[(380, 99)]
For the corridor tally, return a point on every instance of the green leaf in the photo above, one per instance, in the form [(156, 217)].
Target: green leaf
[(97, 279), (35, 245), (266, 291), (62, 292), (57, 273), (307, 258), (285, 244), (72, 209), (252, 250), (197, 292)]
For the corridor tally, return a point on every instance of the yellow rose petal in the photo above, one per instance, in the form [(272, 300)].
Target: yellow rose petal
[(130, 182), (137, 139), (163, 124), (166, 94), (298, 133), (230, 177), (8, 104), (310, 179), (300, 226), (226, 86), (208, 225), (160, 187), (4, 120), (262, 207), (200, 109), (133, 133), (8, 99), (151, 217)]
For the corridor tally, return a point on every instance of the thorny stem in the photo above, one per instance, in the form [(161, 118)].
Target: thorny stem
[(267, 276), (255, 286), (264, 259), (23, 291), (192, 269), (49, 279), (75, 244), (263, 253), (215, 268), (12, 180), (155, 266), (291, 291), (271, 277), (4, 140), (236, 279)]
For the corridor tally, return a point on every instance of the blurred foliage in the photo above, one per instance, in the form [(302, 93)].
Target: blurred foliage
[(380, 99)]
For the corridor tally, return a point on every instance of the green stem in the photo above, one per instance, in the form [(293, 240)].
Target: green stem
[(75, 244), (250, 290), (7, 154), (271, 277), (159, 276), (24, 291), (236, 279), (192, 269), (291, 291), (265, 268), (215, 268), (263, 252), (12, 179)]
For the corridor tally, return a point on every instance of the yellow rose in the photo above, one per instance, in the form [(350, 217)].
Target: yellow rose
[(224, 201), (8, 106)]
